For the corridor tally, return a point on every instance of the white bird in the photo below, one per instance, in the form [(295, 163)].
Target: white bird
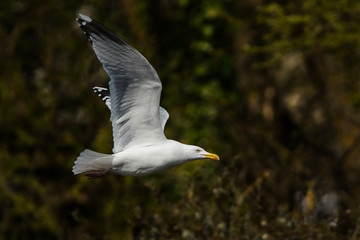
[(140, 146)]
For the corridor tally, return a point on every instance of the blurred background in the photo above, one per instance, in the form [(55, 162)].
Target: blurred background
[(272, 87)]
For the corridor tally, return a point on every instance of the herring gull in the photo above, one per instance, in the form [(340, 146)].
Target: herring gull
[(140, 146)]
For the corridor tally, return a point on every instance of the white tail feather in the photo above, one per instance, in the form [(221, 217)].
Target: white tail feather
[(92, 161)]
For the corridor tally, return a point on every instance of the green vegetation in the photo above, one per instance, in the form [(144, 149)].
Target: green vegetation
[(271, 87)]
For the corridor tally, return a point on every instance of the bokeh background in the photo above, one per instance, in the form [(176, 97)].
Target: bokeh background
[(272, 87)]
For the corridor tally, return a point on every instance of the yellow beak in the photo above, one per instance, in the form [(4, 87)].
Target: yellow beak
[(212, 156)]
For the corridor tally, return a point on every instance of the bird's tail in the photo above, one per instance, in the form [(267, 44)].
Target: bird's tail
[(92, 161)]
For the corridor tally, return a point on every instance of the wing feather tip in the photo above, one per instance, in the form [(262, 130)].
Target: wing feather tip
[(84, 17)]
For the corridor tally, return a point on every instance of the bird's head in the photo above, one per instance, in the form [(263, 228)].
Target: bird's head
[(197, 153)]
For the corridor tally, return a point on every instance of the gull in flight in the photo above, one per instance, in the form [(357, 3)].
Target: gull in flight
[(133, 97)]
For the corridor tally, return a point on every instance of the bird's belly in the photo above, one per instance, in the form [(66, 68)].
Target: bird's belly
[(135, 170), (139, 166)]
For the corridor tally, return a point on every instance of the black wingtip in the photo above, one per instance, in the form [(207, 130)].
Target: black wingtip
[(103, 93), (84, 18), (83, 22), (95, 31), (100, 89)]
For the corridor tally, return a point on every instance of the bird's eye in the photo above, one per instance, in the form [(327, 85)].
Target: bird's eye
[(197, 150)]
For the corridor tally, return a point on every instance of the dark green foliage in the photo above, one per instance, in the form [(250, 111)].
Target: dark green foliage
[(271, 87)]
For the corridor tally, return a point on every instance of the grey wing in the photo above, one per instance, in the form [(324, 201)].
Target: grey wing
[(104, 94), (164, 116), (134, 88)]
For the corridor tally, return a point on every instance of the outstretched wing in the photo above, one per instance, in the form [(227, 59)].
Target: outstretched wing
[(134, 88), (104, 94)]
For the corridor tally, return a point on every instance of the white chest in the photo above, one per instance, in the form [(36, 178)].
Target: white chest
[(146, 160)]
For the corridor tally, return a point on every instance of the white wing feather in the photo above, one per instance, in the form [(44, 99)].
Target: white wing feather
[(104, 94), (134, 88)]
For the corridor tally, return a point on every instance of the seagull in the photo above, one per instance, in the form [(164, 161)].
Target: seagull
[(138, 122)]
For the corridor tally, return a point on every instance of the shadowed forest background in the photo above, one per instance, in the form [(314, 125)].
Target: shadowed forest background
[(272, 87)]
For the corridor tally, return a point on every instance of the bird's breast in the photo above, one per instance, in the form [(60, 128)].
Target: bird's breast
[(144, 161)]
